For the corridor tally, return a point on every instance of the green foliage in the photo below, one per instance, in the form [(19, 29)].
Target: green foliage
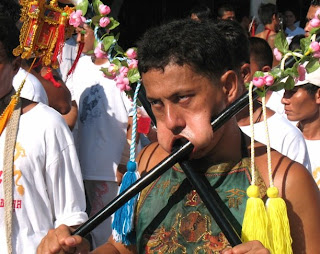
[(281, 43), (83, 6), (133, 75), (107, 42)]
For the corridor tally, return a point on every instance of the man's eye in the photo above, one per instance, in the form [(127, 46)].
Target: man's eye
[(154, 102)]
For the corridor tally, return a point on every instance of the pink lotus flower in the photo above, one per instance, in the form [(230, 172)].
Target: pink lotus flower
[(314, 22), (104, 21), (104, 9), (131, 53), (268, 79), (99, 53), (302, 72), (133, 64), (122, 83), (315, 46), (124, 71), (76, 18), (258, 81), (277, 54), (113, 69)]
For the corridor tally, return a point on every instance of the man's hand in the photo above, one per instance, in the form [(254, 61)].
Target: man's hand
[(248, 248), (60, 241)]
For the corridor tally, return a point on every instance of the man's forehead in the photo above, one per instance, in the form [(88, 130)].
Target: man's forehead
[(312, 11)]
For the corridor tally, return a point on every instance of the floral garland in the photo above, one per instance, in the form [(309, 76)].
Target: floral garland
[(305, 60), (123, 66)]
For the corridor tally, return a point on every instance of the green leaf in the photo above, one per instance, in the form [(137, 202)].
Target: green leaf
[(83, 6), (258, 74), (118, 49), (107, 42), (95, 20), (314, 31), (117, 62), (261, 92), (313, 65), (96, 4), (133, 75), (276, 72), (113, 24), (289, 83), (305, 44), (293, 72), (277, 86), (281, 42)]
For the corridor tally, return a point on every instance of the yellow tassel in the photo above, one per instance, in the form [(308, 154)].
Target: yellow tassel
[(255, 220), (7, 113), (278, 222)]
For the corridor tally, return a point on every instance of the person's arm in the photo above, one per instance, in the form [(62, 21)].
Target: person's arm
[(71, 117), (303, 203)]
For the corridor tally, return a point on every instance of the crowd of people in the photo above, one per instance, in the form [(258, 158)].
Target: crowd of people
[(65, 149)]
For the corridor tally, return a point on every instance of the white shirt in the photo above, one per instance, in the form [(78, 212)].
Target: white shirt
[(284, 137), (313, 150), (48, 187), (102, 121)]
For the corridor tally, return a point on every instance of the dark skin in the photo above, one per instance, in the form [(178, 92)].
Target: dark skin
[(59, 97)]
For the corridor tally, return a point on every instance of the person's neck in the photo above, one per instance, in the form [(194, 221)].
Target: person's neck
[(310, 128), (98, 61), (227, 148), (270, 27), (292, 27), (243, 117)]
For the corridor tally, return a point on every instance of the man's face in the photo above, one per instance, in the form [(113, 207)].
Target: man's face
[(7, 71), (229, 15), (310, 15), (86, 35), (299, 105), (183, 103)]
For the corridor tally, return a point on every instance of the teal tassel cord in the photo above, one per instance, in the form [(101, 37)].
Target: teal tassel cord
[(123, 219)]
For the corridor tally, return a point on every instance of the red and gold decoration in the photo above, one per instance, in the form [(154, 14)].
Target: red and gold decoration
[(44, 30)]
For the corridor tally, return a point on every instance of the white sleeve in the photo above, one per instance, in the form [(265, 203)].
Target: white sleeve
[(65, 185)]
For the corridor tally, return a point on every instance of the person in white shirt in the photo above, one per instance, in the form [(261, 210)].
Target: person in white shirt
[(101, 131), (302, 104), (47, 187)]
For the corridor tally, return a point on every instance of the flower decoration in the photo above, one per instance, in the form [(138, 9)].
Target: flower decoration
[(302, 61), (123, 66), (76, 18)]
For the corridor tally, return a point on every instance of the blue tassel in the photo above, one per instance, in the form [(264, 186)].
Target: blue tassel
[(123, 220)]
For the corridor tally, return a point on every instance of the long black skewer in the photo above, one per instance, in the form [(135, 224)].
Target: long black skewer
[(177, 156)]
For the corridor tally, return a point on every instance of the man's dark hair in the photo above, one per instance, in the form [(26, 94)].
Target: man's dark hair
[(237, 41), (266, 12), (201, 11), (261, 52), (9, 38), (223, 8), (185, 42), (315, 2), (310, 88)]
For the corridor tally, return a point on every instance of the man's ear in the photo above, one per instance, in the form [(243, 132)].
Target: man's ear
[(230, 83), (245, 73), (317, 96), (266, 68)]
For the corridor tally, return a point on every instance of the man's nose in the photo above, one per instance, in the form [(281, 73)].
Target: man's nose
[(173, 119)]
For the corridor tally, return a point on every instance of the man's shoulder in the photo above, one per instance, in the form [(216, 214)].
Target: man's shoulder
[(150, 156)]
